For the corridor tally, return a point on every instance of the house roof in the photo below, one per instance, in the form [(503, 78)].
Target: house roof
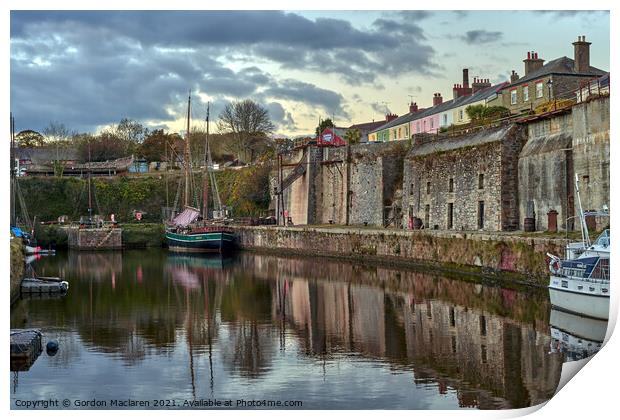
[(475, 138), (368, 126), (444, 106), (561, 66)]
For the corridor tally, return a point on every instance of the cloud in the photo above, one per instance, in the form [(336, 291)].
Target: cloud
[(307, 93), (480, 36), (92, 68)]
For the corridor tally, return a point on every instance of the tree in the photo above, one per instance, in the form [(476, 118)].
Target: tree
[(57, 135), (323, 125), (353, 136), (130, 131), (481, 113), (29, 138), (245, 120), (159, 146)]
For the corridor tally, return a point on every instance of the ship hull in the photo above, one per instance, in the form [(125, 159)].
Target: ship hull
[(570, 298), (210, 242)]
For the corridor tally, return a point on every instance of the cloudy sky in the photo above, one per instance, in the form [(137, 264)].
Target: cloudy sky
[(90, 69)]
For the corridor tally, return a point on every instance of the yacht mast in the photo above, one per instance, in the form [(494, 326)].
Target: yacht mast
[(187, 155), (582, 218)]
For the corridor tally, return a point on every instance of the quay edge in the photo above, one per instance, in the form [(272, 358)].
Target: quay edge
[(512, 257)]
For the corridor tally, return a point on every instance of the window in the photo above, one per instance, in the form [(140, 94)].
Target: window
[(450, 215), (460, 114), (431, 123), (445, 119), (427, 216), (480, 214), (428, 187), (526, 93), (483, 325), (417, 125), (411, 189), (480, 181), (539, 89), (451, 185), (513, 97)]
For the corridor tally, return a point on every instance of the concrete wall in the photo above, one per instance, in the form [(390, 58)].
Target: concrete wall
[(591, 152), (545, 171)]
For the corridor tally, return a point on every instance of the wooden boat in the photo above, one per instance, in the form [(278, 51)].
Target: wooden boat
[(192, 230)]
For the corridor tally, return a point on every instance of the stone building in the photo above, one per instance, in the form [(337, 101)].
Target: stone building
[(561, 145), (466, 182), (350, 185), (555, 81)]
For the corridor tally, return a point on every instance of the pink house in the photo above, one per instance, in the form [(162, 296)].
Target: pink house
[(429, 120)]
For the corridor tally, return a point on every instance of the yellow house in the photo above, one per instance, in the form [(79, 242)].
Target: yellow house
[(482, 97)]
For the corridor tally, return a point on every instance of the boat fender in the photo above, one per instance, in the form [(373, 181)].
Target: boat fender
[(555, 264), (51, 348), (64, 285)]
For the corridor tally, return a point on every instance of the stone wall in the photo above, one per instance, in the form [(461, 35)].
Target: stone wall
[(95, 239), (473, 252), (344, 185), (545, 171), (464, 175)]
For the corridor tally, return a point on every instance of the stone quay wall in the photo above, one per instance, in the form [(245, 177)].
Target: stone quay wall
[(493, 254)]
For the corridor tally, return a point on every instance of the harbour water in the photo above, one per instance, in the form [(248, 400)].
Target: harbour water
[(191, 330)]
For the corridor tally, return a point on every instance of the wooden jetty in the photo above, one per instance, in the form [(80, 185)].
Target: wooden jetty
[(44, 285), (26, 346)]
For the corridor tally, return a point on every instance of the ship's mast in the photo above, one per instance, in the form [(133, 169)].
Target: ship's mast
[(205, 173), (187, 154)]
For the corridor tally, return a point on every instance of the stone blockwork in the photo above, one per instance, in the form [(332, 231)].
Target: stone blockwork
[(95, 239), (477, 251), (467, 182), (344, 185)]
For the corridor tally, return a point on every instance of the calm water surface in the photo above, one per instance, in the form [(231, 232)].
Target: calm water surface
[(150, 325)]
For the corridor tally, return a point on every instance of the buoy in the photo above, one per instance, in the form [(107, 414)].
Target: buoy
[(52, 347)]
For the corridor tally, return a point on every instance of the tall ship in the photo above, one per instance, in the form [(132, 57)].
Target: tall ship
[(192, 230), (579, 283)]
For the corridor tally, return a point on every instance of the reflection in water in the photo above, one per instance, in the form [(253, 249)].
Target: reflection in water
[(576, 336), (148, 324)]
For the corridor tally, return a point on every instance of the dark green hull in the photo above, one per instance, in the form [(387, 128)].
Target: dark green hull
[(222, 242)]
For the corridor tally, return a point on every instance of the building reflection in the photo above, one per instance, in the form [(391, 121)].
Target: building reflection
[(487, 345)]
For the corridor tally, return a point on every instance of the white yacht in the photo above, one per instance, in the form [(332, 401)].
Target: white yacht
[(580, 283)]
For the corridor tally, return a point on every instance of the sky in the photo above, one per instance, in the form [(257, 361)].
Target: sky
[(90, 69)]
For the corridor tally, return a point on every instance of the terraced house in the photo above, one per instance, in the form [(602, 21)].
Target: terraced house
[(555, 81)]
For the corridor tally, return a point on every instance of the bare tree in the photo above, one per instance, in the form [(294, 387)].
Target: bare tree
[(57, 135), (246, 121)]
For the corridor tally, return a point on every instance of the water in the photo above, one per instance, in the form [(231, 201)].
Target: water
[(149, 325)]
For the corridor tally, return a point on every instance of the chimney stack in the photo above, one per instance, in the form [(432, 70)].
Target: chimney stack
[(465, 78), (413, 107), (437, 99), (514, 77), (390, 117), (479, 84), (532, 62), (582, 55)]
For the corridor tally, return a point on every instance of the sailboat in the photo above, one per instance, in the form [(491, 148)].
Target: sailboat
[(192, 230)]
